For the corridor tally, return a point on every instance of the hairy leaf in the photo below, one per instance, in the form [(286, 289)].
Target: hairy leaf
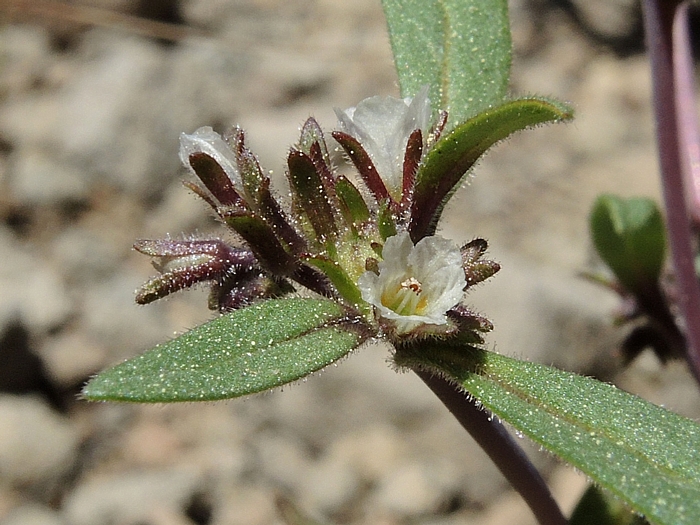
[(460, 48), (645, 455), (246, 351), (446, 164)]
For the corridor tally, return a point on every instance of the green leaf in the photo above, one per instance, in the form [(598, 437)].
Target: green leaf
[(262, 241), (352, 204), (214, 178), (246, 351), (385, 221), (593, 509), (599, 508), (447, 163), (461, 48), (337, 275), (643, 454), (629, 236), (310, 194)]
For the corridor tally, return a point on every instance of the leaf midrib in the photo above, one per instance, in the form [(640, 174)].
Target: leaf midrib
[(613, 438)]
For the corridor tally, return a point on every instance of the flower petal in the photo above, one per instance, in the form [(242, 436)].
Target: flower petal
[(206, 140), (382, 125)]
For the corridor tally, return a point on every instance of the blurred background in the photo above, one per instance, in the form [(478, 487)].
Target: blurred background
[(93, 97)]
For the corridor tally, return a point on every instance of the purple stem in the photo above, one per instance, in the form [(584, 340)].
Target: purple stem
[(493, 438), (660, 16), (689, 130)]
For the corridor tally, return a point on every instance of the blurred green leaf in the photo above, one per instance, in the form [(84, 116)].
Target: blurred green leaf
[(599, 508), (460, 48), (246, 351), (447, 163), (629, 236), (593, 509), (643, 454)]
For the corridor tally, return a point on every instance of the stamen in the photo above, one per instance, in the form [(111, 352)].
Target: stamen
[(412, 284)]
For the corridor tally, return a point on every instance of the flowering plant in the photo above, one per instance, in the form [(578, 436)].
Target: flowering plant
[(354, 258)]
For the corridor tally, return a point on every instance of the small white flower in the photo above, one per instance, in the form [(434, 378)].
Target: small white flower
[(416, 285), (206, 140), (382, 125)]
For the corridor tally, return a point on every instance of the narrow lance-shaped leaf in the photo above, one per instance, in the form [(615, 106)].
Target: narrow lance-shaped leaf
[(215, 179), (445, 165), (311, 133), (340, 279), (645, 455), (385, 221), (460, 48), (412, 158), (310, 193), (365, 167), (352, 205), (262, 241), (250, 350)]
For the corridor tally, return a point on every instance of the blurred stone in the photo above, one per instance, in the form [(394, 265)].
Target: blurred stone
[(106, 114), (131, 497), (124, 6), (205, 13), (608, 90), (71, 357), (36, 179), (179, 214), (36, 445), (371, 451), (33, 514), (609, 18), (22, 371), (508, 509), (101, 121), (87, 256), (281, 459), (32, 290), (151, 443), (413, 488), (568, 485), (109, 306), (25, 56), (246, 505), (330, 484)]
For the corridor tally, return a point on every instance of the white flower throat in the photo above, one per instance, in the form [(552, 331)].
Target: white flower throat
[(406, 298)]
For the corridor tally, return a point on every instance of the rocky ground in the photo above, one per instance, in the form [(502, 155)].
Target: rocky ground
[(89, 121)]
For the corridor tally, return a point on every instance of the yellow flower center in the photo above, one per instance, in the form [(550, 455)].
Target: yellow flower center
[(406, 297)]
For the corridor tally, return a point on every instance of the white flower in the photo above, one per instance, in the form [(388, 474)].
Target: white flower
[(417, 284), (382, 125), (206, 140)]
